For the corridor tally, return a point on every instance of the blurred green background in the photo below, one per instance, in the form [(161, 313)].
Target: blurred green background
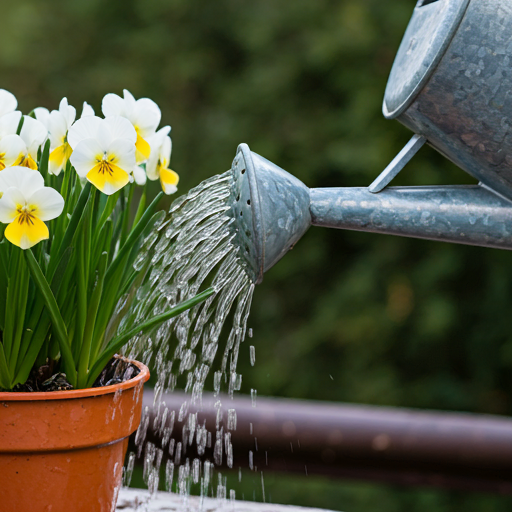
[(345, 316)]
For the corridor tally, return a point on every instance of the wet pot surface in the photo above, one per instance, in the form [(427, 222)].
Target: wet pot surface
[(64, 450)]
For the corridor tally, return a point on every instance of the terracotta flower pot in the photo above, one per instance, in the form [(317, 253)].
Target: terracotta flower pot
[(63, 451)]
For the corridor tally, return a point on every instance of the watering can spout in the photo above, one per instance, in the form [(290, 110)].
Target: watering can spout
[(272, 210)]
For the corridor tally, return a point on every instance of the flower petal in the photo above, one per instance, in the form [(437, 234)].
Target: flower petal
[(139, 175), (146, 116), (8, 102), (121, 128), (108, 182), (21, 178), (68, 111), (9, 123), (113, 105), (169, 181), (42, 115), (143, 149), (58, 128), (87, 110), (58, 158), (46, 203), (10, 201), (121, 152), (26, 234), (86, 155), (129, 100), (156, 143), (84, 128), (11, 147), (34, 134)]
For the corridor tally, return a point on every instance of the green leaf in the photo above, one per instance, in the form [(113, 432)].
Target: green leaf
[(134, 234), (58, 325), (56, 253), (120, 341), (85, 353), (5, 374), (43, 162)]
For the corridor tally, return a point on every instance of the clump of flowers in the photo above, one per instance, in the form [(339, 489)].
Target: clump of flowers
[(68, 238)]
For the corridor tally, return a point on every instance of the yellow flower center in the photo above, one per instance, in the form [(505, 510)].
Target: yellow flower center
[(25, 215), (106, 165), (26, 161), (2, 164)]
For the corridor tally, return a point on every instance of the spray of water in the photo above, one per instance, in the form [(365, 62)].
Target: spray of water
[(191, 248)]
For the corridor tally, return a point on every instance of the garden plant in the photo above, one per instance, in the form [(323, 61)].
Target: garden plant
[(68, 238)]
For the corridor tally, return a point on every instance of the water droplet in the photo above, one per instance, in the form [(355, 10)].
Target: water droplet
[(231, 419)]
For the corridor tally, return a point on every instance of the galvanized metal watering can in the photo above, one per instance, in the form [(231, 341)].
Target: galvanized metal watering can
[(451, 84)]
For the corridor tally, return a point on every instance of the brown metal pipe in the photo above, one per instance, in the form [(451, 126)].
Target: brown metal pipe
[(453, 450)]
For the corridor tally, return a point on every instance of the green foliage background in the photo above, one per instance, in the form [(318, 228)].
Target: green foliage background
[(345, 316)]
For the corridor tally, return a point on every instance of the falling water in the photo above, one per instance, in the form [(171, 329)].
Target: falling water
[(188, 250)]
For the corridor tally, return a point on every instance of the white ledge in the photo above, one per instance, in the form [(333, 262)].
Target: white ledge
[(132, 500)]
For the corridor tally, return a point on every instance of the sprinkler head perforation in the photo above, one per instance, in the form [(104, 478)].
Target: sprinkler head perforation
[(270, 208), (242, 212)]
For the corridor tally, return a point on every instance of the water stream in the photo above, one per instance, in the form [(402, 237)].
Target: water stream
[(192, 248)]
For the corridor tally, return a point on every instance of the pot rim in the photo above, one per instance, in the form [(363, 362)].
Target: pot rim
[(138, 380)]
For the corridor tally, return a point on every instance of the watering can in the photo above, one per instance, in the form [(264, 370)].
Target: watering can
[(451, 84)]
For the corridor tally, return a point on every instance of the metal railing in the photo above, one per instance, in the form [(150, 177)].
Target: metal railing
[(393, 445)]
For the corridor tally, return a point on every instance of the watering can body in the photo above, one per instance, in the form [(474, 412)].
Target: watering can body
[(451, 84)]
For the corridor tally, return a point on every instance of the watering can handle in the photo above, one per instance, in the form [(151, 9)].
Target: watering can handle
[(397, 164)]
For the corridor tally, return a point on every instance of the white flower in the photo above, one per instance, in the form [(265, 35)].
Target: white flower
[(59, 122), (25, 204), (8, 102), (103, 151), (143, 113), (158, 163), (11, 147), (33, 134), (87, 110)]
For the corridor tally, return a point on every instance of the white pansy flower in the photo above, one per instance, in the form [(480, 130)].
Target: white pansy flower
[(87, 110), (158, 163), (33, 134), (25, 205), (11, 147), (103, 151), (8, 102), (59, 122), (143, 113)]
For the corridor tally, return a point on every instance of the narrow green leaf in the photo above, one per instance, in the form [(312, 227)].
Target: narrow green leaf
[(140, 208), (120, 341), (43, 162), (56, 253), (134, 234), (85, 353), (58, 325), (11, 304), (5, 374), (21, 309), (20, 125)]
